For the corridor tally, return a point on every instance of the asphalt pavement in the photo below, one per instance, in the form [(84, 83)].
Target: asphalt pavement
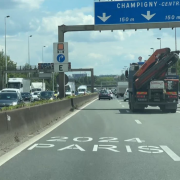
[(104, 141)]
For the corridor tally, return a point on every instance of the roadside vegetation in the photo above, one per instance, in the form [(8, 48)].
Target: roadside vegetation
[(37, 103)]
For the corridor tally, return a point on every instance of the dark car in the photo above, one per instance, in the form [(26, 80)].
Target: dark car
[(10, 99), (104, 94), (47, 95), (26, 96)]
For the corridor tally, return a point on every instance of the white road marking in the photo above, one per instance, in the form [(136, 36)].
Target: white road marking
[(119, 102), (135, 140), (178, 111), (174, 156), (6, 157), (108, 147), (150, 149), (41, 146), (138, 122), (73, 146), (128, 148)]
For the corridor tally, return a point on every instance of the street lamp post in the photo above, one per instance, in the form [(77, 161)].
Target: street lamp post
[(42, 62), (160, 42), (5, 46), (28, 50), (29, 54), (152, 49), (42, 53)]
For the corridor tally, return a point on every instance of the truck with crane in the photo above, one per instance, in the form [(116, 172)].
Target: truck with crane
[(149, 83)]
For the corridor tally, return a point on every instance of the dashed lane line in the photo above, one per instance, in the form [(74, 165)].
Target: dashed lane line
[(138, 122)]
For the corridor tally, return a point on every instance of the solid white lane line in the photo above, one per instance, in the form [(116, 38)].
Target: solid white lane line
[(6, 157), (138, 122), (174, 156)]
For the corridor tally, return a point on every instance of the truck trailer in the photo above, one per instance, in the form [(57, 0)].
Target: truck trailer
[(121, 88), (38, 86), (23, 85), (150, 84)]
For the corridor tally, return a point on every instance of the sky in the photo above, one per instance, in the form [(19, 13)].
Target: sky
[(107, 52)]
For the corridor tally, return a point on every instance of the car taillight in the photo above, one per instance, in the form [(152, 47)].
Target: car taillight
[(140, 96), (172, 97)]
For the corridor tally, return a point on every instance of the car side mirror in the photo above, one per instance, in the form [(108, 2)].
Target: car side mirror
[(126, 74)]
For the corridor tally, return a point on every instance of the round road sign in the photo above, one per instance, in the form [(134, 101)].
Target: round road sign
[(61, 58), (140, 58)]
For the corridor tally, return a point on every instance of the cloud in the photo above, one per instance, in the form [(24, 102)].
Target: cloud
[(107, 52), (30, 4), (130, 56)]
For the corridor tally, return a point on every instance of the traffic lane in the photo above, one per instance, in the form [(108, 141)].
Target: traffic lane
[(160, 128), (93, 157)]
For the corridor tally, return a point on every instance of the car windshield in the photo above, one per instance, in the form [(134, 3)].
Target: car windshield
[(103, 91), (81, 90), (8, 96), (8, 91), (25, 94), (36, 89), (35, 93), (14, 85), (47, 94)]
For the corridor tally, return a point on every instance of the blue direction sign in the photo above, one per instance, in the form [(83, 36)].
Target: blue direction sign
[(61, 58), (136, 11)]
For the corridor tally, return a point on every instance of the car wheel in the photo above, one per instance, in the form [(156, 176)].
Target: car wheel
[(109, 98), (99, 98)]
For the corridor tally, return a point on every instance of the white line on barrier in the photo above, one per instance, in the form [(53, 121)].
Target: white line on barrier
[(6, 157)]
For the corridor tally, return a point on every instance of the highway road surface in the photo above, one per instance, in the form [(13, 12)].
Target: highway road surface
[(103, 141)]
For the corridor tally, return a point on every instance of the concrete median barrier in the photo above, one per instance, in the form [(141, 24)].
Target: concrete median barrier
[(17, 124), (84, 99)]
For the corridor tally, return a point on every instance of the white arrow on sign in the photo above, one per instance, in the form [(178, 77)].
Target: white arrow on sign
[(148, 16), (104, 18)]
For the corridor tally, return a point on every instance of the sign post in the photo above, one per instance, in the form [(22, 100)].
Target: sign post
[(60, 56)]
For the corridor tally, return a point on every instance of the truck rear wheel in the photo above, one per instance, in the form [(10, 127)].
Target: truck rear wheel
[(173, 110)]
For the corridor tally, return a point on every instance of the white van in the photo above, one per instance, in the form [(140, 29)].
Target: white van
[(126, 95), (82, 89)]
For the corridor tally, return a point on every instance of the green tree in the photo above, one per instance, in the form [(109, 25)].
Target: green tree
[(10, 64)]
